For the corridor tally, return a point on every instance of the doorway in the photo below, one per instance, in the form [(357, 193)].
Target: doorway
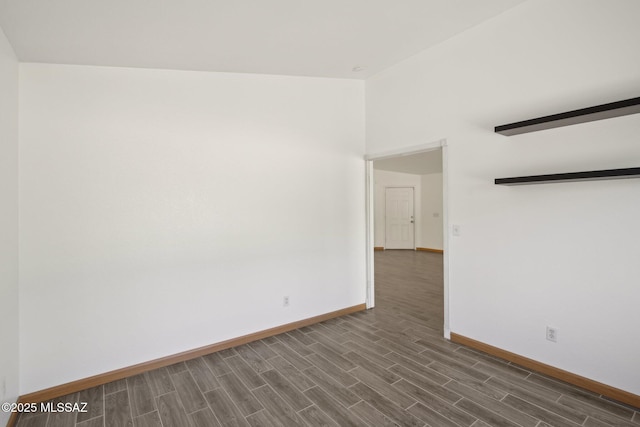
[(385, 173)]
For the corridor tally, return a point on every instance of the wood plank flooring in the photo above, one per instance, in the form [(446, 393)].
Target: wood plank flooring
[(384, 367)]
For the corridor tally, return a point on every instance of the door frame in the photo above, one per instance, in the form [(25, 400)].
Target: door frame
[(369, 196), (413, 203)]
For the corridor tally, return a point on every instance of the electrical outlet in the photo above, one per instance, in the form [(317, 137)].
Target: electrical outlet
[(552, 334), (285, 301), (455, 230)]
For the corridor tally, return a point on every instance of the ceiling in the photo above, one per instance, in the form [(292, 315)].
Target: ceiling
[(417, 164), (324, 38)]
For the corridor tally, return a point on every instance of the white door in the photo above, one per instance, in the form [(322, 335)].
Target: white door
[(399, 218)]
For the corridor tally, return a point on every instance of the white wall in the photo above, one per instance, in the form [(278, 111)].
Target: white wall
[(431, 195), (384, 179), (9, 362), (164, 210), (561, 254)]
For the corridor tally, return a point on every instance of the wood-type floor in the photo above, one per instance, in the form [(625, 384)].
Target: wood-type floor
[(383, 367)]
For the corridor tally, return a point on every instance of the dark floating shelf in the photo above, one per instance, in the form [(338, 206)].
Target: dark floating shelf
[(599, 112), (571, 176)]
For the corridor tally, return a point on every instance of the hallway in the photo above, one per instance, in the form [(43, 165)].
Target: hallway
[(410, 282)]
